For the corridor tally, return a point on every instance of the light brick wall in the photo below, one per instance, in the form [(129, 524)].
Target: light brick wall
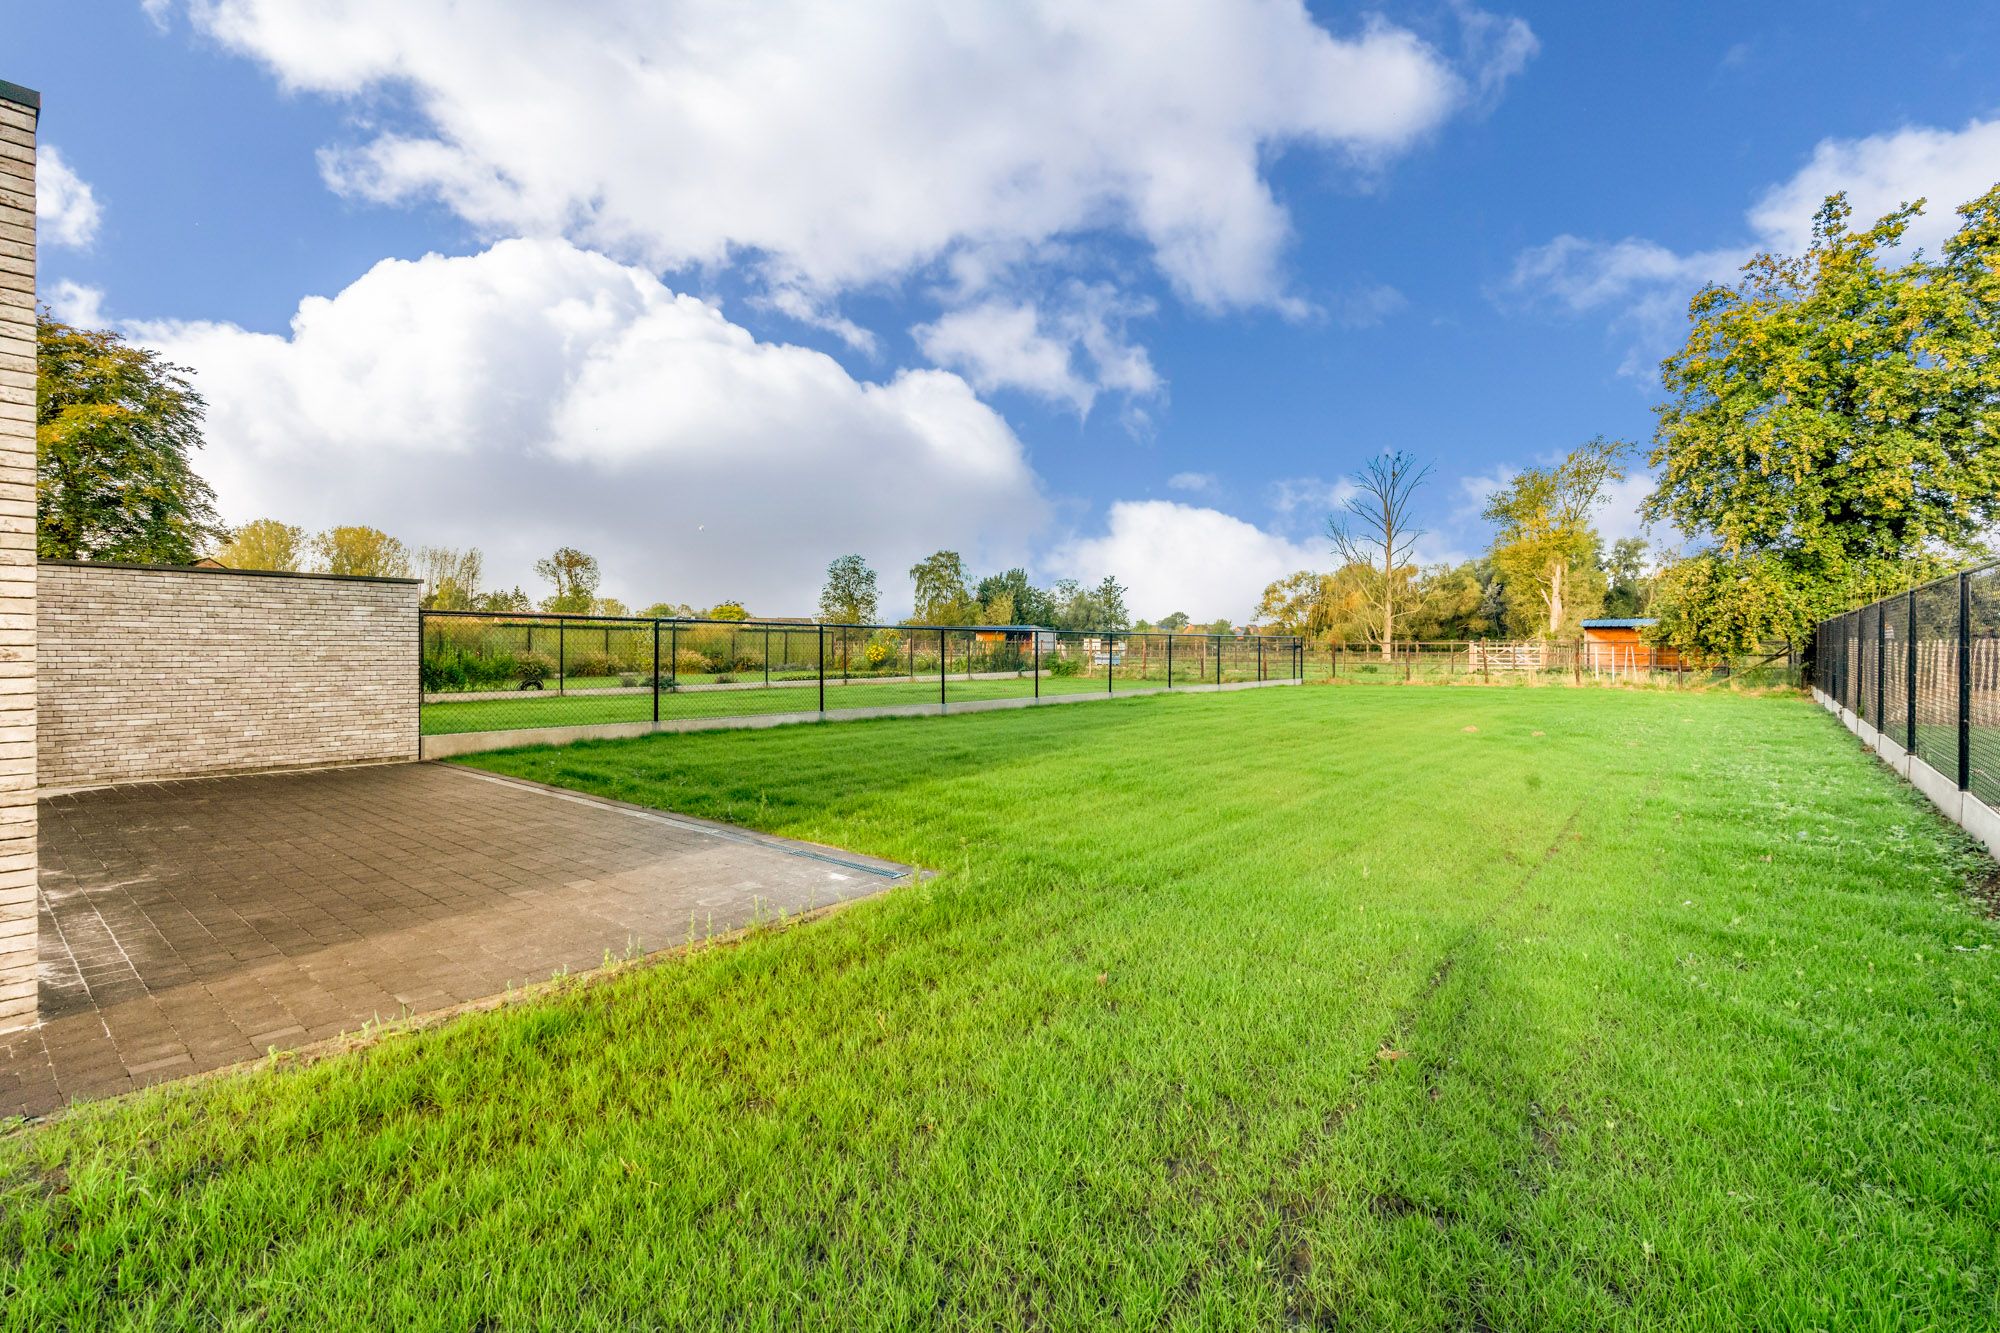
[(163, 673), (19, 111)]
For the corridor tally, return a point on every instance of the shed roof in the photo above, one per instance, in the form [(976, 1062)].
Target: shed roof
[(1621, 622)]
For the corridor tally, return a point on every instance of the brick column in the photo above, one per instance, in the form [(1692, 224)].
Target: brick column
[(19, 111)]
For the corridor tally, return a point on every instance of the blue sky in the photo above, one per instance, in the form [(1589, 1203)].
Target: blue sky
[(721, 299)]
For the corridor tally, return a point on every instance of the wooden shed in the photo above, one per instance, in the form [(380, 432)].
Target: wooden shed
[(1617, 644)]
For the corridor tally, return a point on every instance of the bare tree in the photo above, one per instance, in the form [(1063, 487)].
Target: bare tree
[(1376, 532)]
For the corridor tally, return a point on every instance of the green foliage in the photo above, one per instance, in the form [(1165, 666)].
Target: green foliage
[(726, 611), (884, 649), (361, 551), (1711, 606), (451, 577), (1628, 587), (116, 428), (574, 576), (534, 670), (941, 594), (1063, 664), (1836, 414), (1029, 605), (1544, 543), (1101, 607), (265, 543), (850, 596), (1175, 623)]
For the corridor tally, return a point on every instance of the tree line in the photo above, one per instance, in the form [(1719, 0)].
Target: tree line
[(1830, 434)]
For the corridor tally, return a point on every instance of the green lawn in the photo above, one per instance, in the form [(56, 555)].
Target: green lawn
[(579, 708), (1347, 1008)]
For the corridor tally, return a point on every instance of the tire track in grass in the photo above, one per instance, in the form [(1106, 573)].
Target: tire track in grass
[(1276, 1228)]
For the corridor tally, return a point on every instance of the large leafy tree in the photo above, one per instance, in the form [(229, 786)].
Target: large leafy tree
[(1376, 532), (265, 543), (574, 576), (942, 598), (116, 428), (850, 596), (1031, 605), (451, 576), (358, 549), (1833, 420), (1544, 543)]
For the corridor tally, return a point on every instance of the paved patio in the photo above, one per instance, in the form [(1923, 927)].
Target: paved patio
[(186, 926)]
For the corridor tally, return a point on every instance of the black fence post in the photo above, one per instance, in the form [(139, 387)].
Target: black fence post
[(561, 654), (767, 656), (1108, 653), (656, 673), (943, 647), (1170, 661), (674, 654), (1964, 681), (1881, 666), (1036, 639), (821, 630), (1910, 674), (1260, 659)]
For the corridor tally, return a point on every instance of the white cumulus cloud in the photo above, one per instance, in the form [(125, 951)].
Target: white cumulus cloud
[(537, 394), (837, 145), (1180, 557), (1645, 285), (1068, 354), (66, 209)]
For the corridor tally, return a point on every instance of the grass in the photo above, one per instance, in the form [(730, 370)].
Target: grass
[(577, 709), (1296, 1007)]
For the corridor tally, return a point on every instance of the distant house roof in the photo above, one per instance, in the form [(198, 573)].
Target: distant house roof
[(1622, 622)]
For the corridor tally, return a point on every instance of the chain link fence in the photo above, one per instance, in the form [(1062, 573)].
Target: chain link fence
[(1923, 669), (484, 672)]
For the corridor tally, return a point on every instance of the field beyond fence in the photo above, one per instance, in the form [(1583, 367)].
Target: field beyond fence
[(502, 673), (1922, 668), (1537, 661)]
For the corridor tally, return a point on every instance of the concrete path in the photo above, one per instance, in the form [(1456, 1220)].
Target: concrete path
[(186, 926)]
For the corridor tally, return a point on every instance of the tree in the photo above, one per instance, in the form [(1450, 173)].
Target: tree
[(1543, 525), (1032, 606), (1711, 605), (1110, 598), (450, 575), (1838, 415), (726, 611), (670, 611), (942, 598), (265, 543), (850, 596), (1376, 533), (361, 550), (1222, 626), (1298, 604), (574, 576), (115, 430), (1174, 623), (513, 599), (1629, 589)]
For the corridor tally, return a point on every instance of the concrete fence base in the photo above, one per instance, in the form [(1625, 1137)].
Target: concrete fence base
[(1962, 808), (473, 742)]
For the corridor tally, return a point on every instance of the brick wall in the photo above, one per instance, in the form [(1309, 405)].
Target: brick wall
[(160, 673), (19, 111)]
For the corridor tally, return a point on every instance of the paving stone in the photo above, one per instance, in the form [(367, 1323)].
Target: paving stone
[(190, 925)]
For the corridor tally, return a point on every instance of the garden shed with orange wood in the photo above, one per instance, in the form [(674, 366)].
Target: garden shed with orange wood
[(1619, 644)]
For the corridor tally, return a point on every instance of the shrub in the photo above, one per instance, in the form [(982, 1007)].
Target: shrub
[(725, 678), (688, 662), (590, 664), (1063, 664), (885, 649), (533, 669)]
